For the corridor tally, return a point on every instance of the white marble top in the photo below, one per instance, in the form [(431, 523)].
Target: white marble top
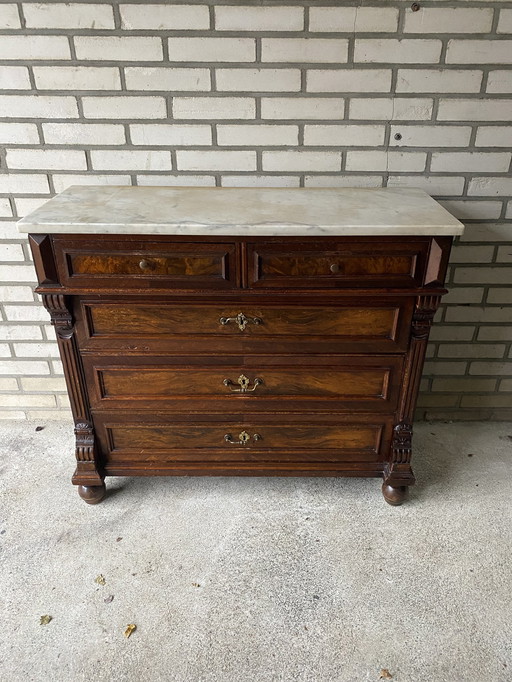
[(241, 212)]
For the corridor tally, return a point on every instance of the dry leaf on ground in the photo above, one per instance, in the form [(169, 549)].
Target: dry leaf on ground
[(385, 675), (45, 620), (100, 579), (109, 599), (129, 629)]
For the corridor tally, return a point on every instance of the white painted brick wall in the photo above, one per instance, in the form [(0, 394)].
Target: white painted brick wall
[(261, 80), (14, 78), (439, 80), (304, 50), (449, 20), (124, 107), (294, 160), (260, 135), (18, 133), (494, 136), (83, 133), (232, 18), (171, 135), (68, 15), (281, 94), (216, 160), (53, 159), (212, 49), (475, 110), (302, 108), (344, 135), (34, 47), (349, 80), (37, 106), (500, 81), (431, 136), (118, 49), (505, 22), (159, 78), (77, 78), (392, 108), (383, 50), (127, 159), (479, 52), (355, 18), (165, 17), (213, 107), (9, 16)]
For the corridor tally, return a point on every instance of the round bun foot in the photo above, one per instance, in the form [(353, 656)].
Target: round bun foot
[(92, 494), (394, 495)]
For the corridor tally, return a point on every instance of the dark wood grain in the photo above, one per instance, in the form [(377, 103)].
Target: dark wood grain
[(341, 264), (335, 329), (291, 383), (114, 264), (367, 325)]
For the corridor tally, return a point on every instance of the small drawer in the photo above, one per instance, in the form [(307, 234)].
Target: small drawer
[(240, 444), (353, 264), (245, 326), (145, 264), (258, 384)]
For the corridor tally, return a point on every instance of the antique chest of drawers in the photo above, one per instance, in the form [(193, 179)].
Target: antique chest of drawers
[(209, 331)]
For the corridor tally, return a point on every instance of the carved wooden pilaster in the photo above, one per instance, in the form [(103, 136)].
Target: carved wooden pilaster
[(86, 472), (398, 471)]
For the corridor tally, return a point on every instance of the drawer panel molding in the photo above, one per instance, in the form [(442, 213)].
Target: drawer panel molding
[(340, 383), (379, 325), (146, 265), (355, 265)]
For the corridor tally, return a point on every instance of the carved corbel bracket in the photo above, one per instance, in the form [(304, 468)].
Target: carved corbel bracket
[(60, 314), (84, 434), (401, 445), (397, 471), (423, 316)]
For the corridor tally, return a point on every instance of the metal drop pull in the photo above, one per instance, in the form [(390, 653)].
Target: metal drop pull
[(243, 438), (244, 384), (241, 320), (145, 265), (334, 268)]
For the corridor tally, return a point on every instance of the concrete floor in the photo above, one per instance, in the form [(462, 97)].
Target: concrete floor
[(259, 580)]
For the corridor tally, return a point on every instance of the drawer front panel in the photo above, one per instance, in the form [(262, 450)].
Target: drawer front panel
[(359, 266), (235, 441), (146, 265), (247, 327), (292, 384)]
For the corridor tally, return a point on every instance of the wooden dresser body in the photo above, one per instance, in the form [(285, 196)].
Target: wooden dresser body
[(234, 355)]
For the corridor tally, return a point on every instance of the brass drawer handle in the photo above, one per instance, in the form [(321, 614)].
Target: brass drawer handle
[(244, 384), (145, 265), (241, 320), (243, 438)]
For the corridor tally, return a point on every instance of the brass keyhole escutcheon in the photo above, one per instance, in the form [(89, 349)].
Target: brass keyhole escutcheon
[(241, 321), (244, 384), (243, 438)]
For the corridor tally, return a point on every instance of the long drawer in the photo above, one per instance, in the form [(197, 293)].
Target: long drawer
[(233, 443), (250, 384), (245, 325)]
